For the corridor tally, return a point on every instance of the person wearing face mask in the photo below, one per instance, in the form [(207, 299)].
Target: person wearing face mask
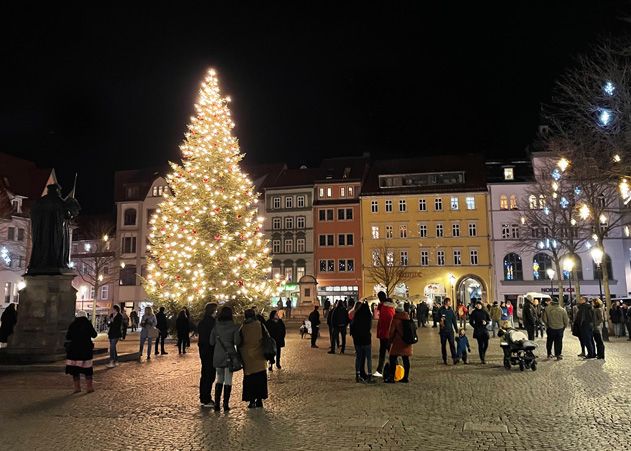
[(479, 319)]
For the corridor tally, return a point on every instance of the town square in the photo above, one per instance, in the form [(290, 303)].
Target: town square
[(392, 226)]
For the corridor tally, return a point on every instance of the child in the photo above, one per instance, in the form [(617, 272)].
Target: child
[(463, 346)]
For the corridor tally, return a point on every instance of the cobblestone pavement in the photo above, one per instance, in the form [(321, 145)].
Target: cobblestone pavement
[(316, 404)]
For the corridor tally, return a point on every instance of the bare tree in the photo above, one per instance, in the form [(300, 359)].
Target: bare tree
[(388, 269)]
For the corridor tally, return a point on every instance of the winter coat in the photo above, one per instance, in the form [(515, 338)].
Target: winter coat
[(204, 328), (477, 319), (360, 326), (496, 313), (615, 313), (7, 322), (147, 322), (116, 327), (462, 344), (504, 316), (226, 335), (398, 346), (585, 317), (599, 317), (386, 314), (529, 315), (162, 323), (314, 317), (555, 317), (251, 347), (451, 325), (182, 326), (277, 331), (339, 317), (79, 336)]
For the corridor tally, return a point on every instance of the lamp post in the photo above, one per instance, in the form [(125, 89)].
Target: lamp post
[(597, 256), (452, 282), (568, 265), (551, 272)]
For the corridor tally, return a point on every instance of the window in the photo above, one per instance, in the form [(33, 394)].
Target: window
[(505, 231), (403, 206), (289, 222), (390, 258), (300, 222), (470, 203), (11, 233), (350, 191), (454, 203), (20, 262), (327, 240), (300, 245), (300, 272), (540, 264), (424, 258), (374, 206), (17, 205), (327, 265), (532, 202), (276, 203), (325, 214), (404, 258), (276, 246), (346, 265), (329, 214), (375, 232), (345, 239), (598, 272), (289, 202), (289, 273), (542, 201), (300, 201), (375, 257), (440, 258), (422, 205), (503, 202), (422, 230), (343, 191), (329, 192), (473, 256), (105, 292), (602, 202), (388, 232), (513, 202), (514, 231), (455, 229), (457, 259), (344, 214), (439, 230), (321, 192), (508, 173), (275, 223), (438, 204), (473, 230), (129, 245), (128, 275), (132, 192), (512, 267), (388, 206), (289, 246), (20, 234), (403, 231)]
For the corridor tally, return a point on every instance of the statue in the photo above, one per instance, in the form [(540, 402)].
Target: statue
[(50, 217)]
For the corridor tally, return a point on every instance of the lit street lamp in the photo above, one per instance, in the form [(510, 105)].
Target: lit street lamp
[(597, 256), (551, 272), (452, 281)]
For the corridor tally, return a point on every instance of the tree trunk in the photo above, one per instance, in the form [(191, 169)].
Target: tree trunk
[(559, 283), (577, 284), (96, 295), (604, 273)]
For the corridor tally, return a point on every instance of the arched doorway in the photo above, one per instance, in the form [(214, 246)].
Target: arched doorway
[(470, 288)]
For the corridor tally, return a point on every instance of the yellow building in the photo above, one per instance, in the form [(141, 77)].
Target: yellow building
[(429, 214)]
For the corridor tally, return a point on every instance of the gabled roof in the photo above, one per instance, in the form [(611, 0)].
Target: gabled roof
[(344, 169), (143, 178), (290, 178), (522, 171), (24, 178)]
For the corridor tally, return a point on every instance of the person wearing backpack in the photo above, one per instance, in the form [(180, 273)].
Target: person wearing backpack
[(448, 326), (398, 346)]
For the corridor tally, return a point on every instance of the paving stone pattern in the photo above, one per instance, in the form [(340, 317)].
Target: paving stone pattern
[(316, 404)]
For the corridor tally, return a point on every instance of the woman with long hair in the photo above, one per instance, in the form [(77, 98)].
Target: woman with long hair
[(148, 331), (225, 338), (79, 351)]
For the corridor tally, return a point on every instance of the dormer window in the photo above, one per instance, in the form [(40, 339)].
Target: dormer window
[(508, 174), (17, 205)]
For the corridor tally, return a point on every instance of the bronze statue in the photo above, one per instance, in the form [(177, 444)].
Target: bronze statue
[(50, 218)]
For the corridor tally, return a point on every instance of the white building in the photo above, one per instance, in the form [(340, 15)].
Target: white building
[(517, 272)]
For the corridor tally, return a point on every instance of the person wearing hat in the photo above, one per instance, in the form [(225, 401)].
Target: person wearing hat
[(479, 319), (398, 347), (556, 320), (79, 351)]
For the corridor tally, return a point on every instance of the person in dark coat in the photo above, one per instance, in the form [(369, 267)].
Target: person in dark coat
[(529, 317), (251, 350), (206, 351), (479, 320), (338, 320), (190, 327), (585, 325), (7, 323), (163, 330), (114, 333), (276, 328), (447, 328), (79, 351), (183, 329), (360, 331), (314, 318), (133, 318)]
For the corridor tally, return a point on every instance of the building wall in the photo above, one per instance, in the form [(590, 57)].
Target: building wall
[(86, 294), (15, 246), (433, 278)]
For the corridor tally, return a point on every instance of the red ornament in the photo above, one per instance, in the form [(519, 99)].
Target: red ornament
[(217, 237), (240, 283), (217, 210), (238, 216)]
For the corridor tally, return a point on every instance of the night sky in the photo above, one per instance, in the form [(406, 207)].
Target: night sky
[(96, 90)]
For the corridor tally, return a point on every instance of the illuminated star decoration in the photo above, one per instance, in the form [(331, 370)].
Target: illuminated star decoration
[(609, 88)]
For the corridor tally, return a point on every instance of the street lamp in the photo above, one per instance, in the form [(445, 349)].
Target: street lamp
[(452, 282), (550, 272), (597, 256), (568, 265)]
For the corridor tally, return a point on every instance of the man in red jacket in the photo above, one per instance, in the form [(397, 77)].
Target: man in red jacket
[(386, 313)]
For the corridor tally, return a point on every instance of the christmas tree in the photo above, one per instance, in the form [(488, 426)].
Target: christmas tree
[(206, 241)]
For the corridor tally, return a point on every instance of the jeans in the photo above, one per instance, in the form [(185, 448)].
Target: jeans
[(393, 366), (142, 344), (336, 331), (444, 338), (160, 339), (224, 376), (207, 377), (600, 345), (314, 334), (483, 344), (113, 353), (362, 354), (495, 325), (181, 343), (587, 340), (384, 346), (554, 336)]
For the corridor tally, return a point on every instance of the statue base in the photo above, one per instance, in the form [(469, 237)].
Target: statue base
[(46, 309)]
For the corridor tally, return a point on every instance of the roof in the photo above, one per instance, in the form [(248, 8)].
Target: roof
[(471, 164), (143, 178), (24, 178), (297, 177), (344, 169), (262, 175), (522, 171)]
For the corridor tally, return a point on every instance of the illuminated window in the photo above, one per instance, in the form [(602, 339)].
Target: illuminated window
[(503, 202), (508, 174), (375, 232)]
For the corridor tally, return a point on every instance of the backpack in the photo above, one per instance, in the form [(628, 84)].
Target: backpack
[(409, 332)]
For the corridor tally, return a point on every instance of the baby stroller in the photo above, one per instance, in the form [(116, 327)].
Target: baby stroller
[(305, 328), (518, 350)]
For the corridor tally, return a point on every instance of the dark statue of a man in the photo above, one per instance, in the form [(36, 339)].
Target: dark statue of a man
[(50, 218)]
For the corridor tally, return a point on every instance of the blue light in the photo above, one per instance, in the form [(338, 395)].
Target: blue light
[(546, 210), (604, 117), (609, 88), (564, 202), (556, 174), (578, 191)]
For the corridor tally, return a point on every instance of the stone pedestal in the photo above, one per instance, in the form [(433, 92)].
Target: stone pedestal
[(46, 309), (308, 296)]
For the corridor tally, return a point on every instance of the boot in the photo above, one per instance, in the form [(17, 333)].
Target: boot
[(218, 388), (259, 403), (89, 386), (77, 385), (226, 397)]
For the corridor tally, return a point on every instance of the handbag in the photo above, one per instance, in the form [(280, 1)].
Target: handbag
[(269, 344), (233, 359), (152, 332)]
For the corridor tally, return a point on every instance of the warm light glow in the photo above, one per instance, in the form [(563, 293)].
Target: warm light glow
[(603, 219), (583, 211), (452, 280), (597, 255), (100, 277), (105, 237), (21, 285), (616, 158), (568, 263), (550, 272), (563, 164), (523, 220), (87, 247), (123, 265)]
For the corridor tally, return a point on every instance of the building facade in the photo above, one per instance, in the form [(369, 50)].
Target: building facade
[(433, 223)]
